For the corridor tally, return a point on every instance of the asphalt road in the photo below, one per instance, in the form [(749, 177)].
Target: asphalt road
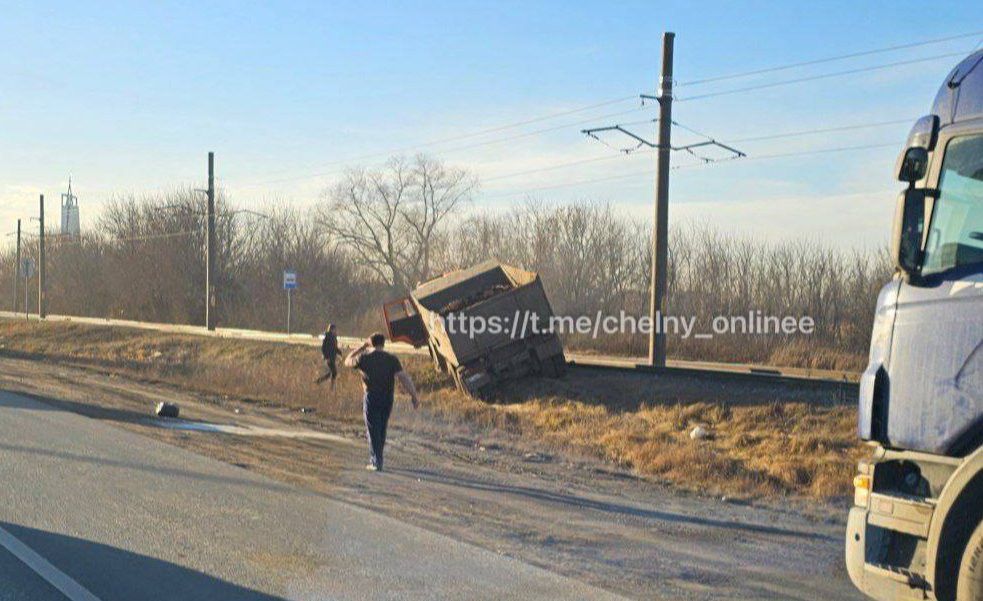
[(105, 514), (20, 583), (568, 514)]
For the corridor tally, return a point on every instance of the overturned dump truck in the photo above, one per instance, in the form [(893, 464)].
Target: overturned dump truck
[(483, 325)]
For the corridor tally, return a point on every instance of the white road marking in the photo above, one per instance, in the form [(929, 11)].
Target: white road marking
[(43, 568)]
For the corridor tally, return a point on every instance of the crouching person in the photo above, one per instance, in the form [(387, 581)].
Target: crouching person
[(379, 371)]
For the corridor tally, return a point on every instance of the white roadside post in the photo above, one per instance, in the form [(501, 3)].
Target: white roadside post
[(289, 283)]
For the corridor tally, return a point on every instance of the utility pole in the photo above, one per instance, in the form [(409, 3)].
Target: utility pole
[(660, 226), (17, 271), (42, 299), (210, 266)]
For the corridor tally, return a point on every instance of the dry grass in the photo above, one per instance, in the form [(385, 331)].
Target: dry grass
[(799, 354), (775, 449), (764, 443)]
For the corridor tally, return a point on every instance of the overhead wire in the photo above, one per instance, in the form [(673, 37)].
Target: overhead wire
[(612, 101), (555, 167), (821, 130), (786, 82), (458, 148), (465, 136), (64, 239), (626, 98), (695, 165), (697, 132), (828, 59)]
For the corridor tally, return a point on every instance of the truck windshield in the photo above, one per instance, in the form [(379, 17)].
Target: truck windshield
[(955, 237)]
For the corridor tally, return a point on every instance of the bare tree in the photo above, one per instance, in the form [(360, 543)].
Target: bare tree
[(146, 261), (392, 219)]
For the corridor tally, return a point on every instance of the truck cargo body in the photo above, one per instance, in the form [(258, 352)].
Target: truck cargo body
[(483, 325)]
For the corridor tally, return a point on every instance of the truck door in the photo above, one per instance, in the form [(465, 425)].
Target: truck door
[(404, 322), (936, 366)]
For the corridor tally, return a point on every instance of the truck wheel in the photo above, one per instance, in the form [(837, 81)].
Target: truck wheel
[(969, 586), (457, 380), (560, 363), (554, 367)]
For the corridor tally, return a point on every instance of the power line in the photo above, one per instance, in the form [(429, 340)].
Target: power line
[(156, 236), (557, 166), (790, 134), (695, 165), (820, 76), (548, 129), (535, 132), (780, 155), (709, 95), (823, 130), (528, 121), (65, 240), (474, 134), (829, 59), (626, 98)]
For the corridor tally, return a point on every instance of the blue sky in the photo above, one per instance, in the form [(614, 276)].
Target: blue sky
[(129, 97)]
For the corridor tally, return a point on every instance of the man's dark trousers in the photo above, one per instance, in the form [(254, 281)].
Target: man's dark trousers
[(376, 409)]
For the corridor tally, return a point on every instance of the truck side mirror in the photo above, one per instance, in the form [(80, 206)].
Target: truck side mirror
[(914, 165), (909, 228)]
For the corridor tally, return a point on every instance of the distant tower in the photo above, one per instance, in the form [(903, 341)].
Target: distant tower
[(70, 212)]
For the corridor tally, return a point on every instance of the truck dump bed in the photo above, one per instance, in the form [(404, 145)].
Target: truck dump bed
[(483, 324)]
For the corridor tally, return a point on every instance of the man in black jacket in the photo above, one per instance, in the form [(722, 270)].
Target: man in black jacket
[(380, 371), (330, 350)]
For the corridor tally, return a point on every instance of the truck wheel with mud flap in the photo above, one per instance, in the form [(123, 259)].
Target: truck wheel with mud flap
[(969, 587)]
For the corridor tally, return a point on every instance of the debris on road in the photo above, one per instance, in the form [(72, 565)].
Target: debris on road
[(166, 410)]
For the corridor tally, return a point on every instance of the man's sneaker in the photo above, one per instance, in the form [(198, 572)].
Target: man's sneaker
[(372, 468)]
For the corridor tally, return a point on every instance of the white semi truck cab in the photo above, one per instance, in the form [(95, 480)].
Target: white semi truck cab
[(915, 529)]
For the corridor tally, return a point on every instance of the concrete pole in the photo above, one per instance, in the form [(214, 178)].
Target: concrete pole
[(210, 266), (17, 272), (660, 227), (42, 297)]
